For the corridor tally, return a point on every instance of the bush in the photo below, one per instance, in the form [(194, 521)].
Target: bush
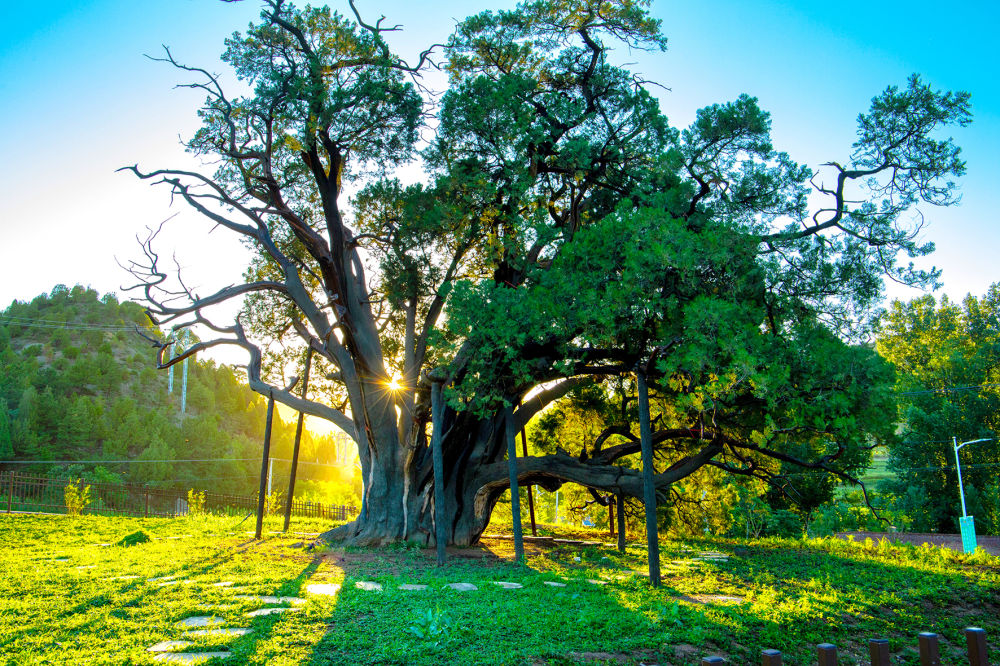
[(134, 539), (196, 502), (77, 497)]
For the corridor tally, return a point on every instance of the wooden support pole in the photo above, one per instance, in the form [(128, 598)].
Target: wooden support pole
[(295, 449), (975, 640), (648, 487), (770, 658), (437, 459), (878, 651), (827, 654), (929, 652), (531, 488), (515, 495), (263, 467), (620, 510), (611, 514)]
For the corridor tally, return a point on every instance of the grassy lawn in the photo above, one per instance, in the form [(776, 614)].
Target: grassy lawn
[(65, 599)]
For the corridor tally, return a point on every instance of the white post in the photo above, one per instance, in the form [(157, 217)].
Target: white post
[(184, 387), (557, 508), (270, 473), (958, 467)]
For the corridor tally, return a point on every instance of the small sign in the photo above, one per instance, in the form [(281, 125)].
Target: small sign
[(968, 529)]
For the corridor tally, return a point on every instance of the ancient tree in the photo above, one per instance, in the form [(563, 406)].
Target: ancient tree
[(565, 238)]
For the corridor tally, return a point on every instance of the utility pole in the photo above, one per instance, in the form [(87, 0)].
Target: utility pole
[(515, 495), (437, 460), (298, 441), (648, 487), (265, 459), (531, 488)]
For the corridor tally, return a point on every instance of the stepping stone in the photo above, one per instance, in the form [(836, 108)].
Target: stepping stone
[(368, 586), (200, 621), (270, 600), (411, 586), (153, 580), (508, 586), (270, 611), (328, 589), (554, 584), (461, 587), (190, 657), (122, 578), (597, 582), (225, 583), (237, 631), (169, 582), (88, 566), (168, 646)]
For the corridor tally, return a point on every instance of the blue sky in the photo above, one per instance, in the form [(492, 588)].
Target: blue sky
[(78, 99)]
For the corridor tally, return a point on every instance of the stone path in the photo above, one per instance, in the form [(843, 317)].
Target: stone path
[(210, 625)]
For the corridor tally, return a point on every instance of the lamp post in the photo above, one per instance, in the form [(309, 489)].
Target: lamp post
[(965, 523)]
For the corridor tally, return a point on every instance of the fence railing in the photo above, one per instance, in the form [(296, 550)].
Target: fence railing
[(25, 492), (878, 650)]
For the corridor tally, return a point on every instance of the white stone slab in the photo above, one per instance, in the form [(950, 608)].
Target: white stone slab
[(169, 582), (270, 611), (190, 657), (225, 583), (122, 578), (200, 621), (412, 586), (87, 566), (461, 587), (508, 586), (168, 646), (368, 586), (328, 589), (154, 580), (227, 631), (597, 582), (554, 584), (270, 600)]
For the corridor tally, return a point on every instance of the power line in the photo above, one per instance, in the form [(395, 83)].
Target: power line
[(67, 462), (121, 462), (52, 323)]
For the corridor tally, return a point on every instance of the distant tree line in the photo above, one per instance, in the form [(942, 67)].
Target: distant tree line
[(76, 384)]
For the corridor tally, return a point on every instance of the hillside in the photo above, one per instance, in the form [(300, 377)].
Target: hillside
[(77, 383)]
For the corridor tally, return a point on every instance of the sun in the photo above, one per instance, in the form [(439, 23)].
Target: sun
[(394, 384)]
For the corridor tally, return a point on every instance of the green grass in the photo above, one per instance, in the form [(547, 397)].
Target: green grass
[(795, 594)]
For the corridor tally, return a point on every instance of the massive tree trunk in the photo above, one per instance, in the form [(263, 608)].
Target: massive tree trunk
[(398, 502)]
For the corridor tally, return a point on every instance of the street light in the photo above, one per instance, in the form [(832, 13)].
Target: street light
[(965, 523)]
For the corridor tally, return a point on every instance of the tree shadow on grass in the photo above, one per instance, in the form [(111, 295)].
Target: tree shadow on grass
[(793, 599)]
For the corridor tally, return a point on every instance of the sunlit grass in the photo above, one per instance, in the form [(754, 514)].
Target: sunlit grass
[(65, 599)]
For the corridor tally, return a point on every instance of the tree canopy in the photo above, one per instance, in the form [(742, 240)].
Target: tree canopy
[(947, 357), (565, 235)]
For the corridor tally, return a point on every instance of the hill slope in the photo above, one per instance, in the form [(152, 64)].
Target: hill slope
[(77, 383)]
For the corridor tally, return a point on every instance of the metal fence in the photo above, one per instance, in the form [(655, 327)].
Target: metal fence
[(25, 492)]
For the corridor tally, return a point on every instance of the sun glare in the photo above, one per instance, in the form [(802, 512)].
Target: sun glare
[(394, 385)]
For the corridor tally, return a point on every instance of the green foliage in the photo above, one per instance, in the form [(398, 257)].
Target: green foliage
[(134, 539), (108, 402), (195, 502), (6, 441), (944, 345), (77, 498)]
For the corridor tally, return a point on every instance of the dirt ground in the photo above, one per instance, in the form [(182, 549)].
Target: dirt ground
[(953, 541)]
